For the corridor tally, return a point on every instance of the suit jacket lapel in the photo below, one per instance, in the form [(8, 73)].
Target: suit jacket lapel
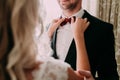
[(85, 14), (53, 44), (71, 55)]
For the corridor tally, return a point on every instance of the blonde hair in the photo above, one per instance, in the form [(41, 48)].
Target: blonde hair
[(21, 16)]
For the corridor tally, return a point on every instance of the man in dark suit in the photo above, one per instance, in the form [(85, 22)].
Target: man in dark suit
[(99, 40)]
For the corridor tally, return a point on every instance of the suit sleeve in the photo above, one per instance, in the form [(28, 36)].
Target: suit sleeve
[(107, 67)]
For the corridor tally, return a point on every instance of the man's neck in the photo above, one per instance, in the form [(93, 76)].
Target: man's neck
[(69, 13)]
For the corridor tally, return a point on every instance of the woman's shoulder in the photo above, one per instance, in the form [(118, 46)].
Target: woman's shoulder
[(51, 66)]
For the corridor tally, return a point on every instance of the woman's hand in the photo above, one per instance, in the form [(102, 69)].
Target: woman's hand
[(54, 25), (86, 74), (79, 26), (79, 75), (73, 75)]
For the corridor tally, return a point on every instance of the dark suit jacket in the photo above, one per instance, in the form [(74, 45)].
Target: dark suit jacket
[(99, 40)]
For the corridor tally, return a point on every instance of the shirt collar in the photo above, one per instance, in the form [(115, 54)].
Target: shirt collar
[(77, 14)]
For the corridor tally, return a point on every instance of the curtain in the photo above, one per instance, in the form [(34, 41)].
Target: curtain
[(109, 11), (90, 6)]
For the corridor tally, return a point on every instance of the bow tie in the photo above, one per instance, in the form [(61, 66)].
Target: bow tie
[(67, 20)]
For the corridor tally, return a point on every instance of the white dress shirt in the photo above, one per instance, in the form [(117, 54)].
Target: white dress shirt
[(65, 37)]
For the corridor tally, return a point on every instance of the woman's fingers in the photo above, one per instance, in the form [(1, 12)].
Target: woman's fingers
[(80, 23), (57, 22), (60, 20), (54, 20), (86, 22), (86, 74)]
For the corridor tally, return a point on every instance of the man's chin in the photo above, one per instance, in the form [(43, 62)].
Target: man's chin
[(64, 6)]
